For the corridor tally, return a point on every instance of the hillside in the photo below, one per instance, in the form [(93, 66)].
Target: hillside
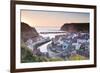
[(28, 32), (75, 27)]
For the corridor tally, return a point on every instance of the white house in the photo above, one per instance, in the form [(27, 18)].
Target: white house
[(29, 44), (77, 45)]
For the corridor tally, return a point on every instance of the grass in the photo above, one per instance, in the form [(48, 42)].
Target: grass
[(77, 57)]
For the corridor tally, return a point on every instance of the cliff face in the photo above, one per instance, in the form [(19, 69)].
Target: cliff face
[(28, 32), (75, 27)]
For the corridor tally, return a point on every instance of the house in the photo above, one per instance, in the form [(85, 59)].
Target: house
[(29, 44)]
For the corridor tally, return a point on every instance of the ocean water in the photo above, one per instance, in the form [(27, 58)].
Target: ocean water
[(48, 29), (50, 32)]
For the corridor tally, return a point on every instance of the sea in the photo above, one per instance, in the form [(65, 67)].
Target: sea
[(50, 32)]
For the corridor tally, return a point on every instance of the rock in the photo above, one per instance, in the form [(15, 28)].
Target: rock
[(28, 32), (75, 27)]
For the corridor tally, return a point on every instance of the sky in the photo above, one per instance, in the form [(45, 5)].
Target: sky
[(51, 18)]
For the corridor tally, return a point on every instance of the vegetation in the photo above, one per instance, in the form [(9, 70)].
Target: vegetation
[(27, 56), (77, 57), (56, 59)]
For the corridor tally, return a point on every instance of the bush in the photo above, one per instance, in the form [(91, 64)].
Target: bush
[(27, 56), (77, 57), (56, 59)]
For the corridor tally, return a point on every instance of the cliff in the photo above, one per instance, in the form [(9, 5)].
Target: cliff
[(28, 32), (75, 27)]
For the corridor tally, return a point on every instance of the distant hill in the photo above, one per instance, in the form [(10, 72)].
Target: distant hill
[(28, 32), (75, 27)]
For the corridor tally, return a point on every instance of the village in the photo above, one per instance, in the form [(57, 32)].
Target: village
[(73, 43), (61, 46)]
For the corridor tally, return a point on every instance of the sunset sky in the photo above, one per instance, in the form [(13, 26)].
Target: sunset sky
[(52, 19)]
